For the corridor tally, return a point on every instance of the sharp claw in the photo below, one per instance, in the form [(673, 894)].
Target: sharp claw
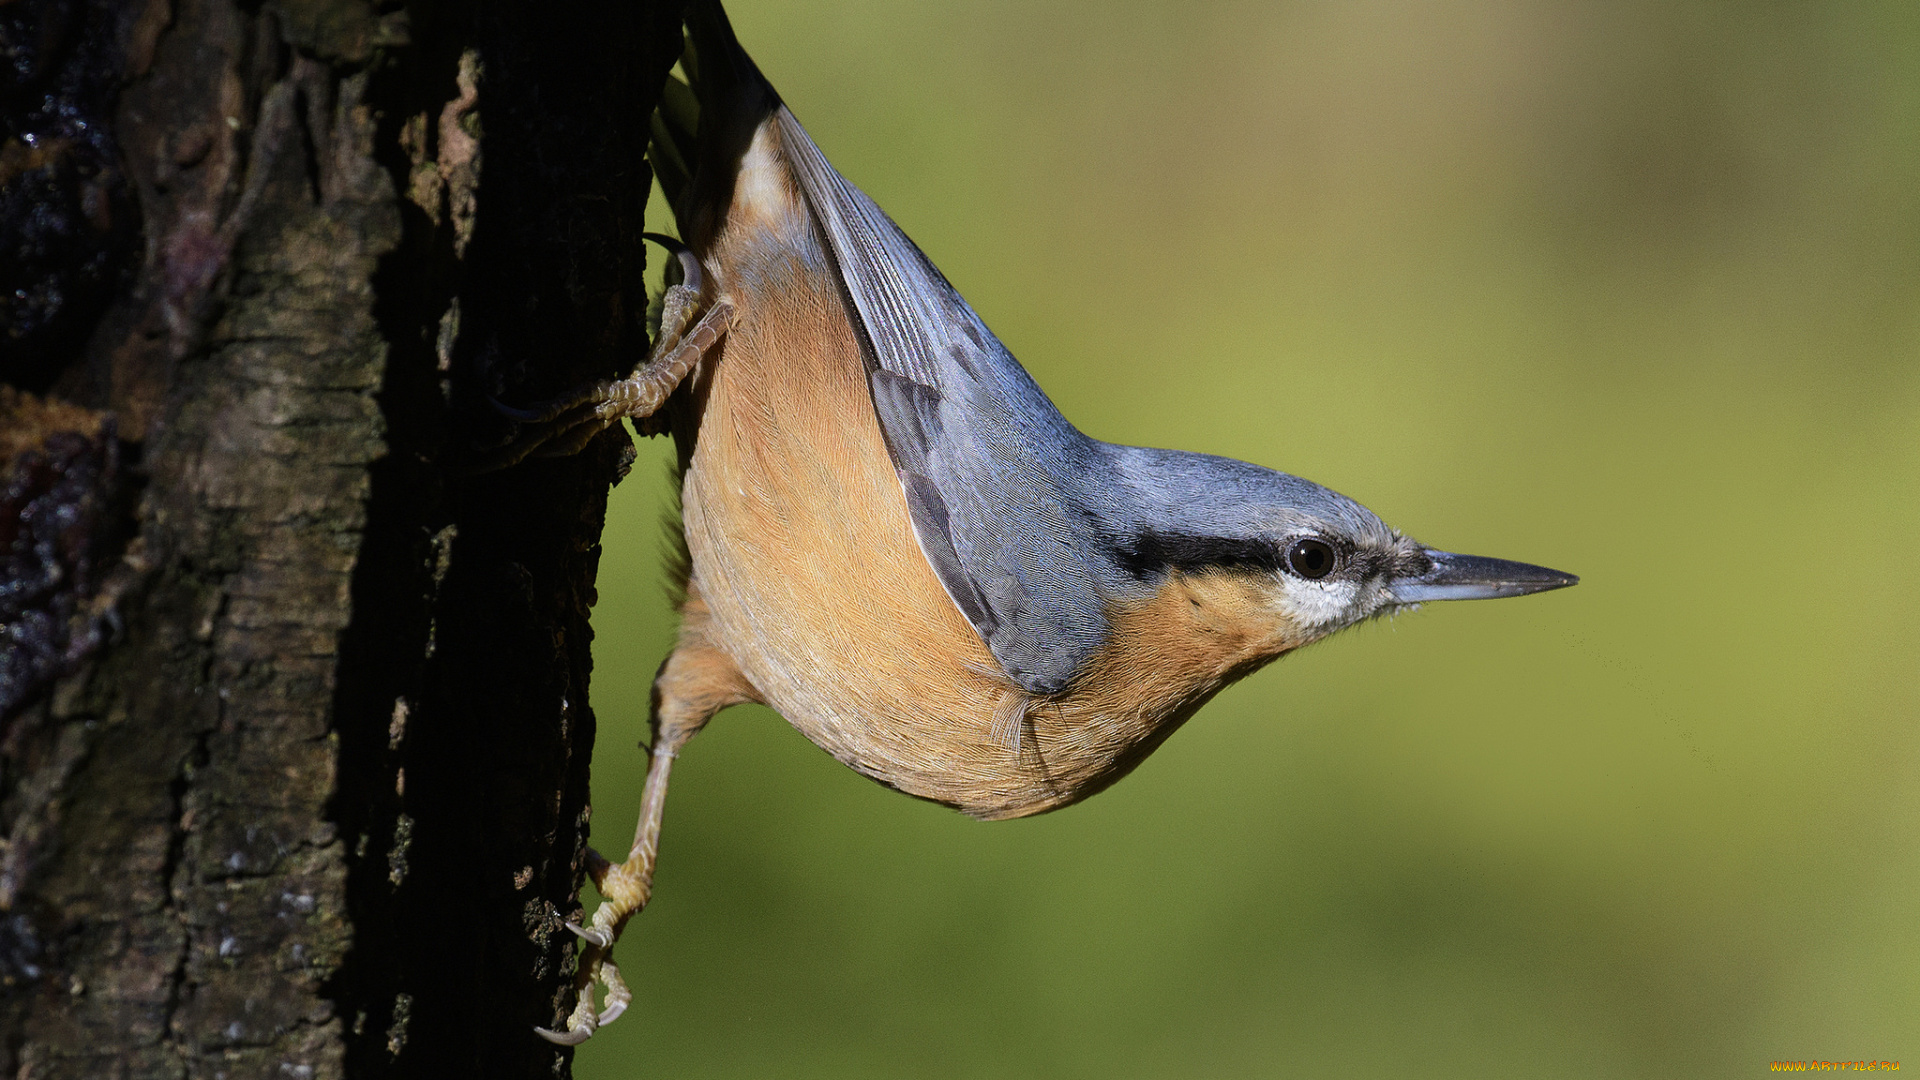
[(690, 271), (671, 243), (570, 1037), (689, 266), (614, 1009), (581, 1023), (596, 936)]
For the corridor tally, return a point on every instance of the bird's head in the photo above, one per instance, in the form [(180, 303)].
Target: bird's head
[(1329, 575), (1309, 558)]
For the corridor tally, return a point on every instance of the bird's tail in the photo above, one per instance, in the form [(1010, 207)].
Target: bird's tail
[(704, 124)]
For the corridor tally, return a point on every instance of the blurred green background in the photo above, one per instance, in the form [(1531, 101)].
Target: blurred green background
[(1631, 290)]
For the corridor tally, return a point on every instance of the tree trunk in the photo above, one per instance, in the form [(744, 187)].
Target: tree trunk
[(295, 698)]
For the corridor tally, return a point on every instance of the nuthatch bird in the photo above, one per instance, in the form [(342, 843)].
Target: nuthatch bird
[(894, 538)]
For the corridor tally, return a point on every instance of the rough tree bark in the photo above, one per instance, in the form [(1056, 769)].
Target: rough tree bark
[(294, 768)]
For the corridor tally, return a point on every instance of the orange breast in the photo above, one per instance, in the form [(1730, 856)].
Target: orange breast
[(798, 531)]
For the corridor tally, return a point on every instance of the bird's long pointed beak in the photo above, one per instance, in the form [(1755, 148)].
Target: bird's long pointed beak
[(1473, 577)]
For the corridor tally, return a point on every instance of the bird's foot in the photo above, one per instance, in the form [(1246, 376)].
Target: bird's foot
[(564, 425), (625, 889), (586, 1018)]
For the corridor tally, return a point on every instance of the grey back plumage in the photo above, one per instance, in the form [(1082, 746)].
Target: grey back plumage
[(991, 470)]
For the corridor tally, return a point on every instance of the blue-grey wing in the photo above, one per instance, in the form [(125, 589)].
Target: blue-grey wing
[(994, 476)]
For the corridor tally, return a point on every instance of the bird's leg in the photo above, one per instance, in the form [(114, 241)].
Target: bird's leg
[(564, 425), (696, 681), (624, 889)]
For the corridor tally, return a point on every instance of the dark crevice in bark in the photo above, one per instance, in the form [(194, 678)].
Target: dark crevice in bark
[(385, 648), (170, 870)]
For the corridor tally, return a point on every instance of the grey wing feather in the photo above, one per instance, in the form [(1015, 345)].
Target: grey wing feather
[(993, 474)]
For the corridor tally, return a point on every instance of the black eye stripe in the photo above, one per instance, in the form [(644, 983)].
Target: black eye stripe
[(1148, 555), (1151, 554)]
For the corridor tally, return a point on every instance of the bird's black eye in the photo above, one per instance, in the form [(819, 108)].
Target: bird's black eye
[(1311, 559)]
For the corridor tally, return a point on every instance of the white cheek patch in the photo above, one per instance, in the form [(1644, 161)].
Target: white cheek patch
[(1317, 605)]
